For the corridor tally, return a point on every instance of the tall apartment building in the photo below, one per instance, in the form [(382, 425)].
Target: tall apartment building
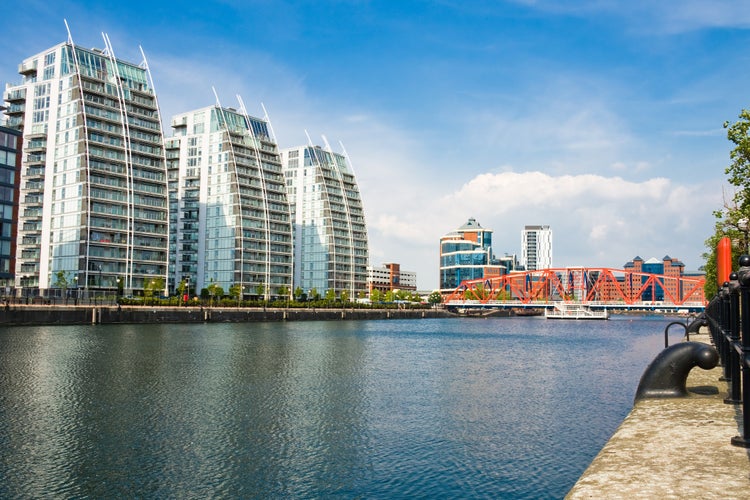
[(536, 247), (230, 221), (10, 166), (93, 193), (330, 234), (466, 254)]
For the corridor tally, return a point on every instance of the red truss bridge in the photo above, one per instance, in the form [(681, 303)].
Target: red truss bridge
[(595, 287)]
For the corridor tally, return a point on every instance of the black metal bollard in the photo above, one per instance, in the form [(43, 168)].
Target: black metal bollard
[(667, 374), (744, 280), (666, 331)]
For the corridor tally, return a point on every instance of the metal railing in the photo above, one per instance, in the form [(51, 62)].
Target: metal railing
[(728, 316)]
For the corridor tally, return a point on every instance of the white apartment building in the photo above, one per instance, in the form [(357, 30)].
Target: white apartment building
[(330, 234), (536, 247), (230, 220), (93, 185)]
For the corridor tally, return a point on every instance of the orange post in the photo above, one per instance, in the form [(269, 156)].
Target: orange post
[(723, 260)]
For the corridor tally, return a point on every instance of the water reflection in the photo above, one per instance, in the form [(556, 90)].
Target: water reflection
[(512, 408)]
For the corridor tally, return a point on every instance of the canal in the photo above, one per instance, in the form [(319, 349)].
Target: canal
[(434, 408)]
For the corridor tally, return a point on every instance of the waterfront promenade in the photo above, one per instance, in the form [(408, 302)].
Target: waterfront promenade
[(22, 314), (674, 448)]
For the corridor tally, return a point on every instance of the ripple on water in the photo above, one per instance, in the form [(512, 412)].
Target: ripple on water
[(501, 408)]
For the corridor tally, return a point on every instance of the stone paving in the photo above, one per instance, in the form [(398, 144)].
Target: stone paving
[(674, 448)]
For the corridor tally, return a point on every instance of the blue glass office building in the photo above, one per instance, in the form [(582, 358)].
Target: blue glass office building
[(466, 254)]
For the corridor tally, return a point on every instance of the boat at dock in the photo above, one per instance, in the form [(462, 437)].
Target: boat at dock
[(574, 311)]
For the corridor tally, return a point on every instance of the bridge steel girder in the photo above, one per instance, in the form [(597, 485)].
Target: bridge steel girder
[(595, 284)]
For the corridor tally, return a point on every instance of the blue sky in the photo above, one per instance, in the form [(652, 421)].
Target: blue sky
[(600, 118)]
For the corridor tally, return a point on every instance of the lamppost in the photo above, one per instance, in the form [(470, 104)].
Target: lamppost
[(187, 293), (75, 280)]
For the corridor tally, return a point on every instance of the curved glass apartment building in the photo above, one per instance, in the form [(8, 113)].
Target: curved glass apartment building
[(230, 220), (93, 188), (330, 234)]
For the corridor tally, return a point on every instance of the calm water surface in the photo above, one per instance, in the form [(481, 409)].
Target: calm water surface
[(456, 408)]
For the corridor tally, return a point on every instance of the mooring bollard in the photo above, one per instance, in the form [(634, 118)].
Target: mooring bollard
[(666, 376)]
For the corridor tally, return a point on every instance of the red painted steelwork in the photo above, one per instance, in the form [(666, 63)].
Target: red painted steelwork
[(582, 284)]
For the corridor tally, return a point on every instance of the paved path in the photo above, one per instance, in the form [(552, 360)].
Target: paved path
[(674, 448)]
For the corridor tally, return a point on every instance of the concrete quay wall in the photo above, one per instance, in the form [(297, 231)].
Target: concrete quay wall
[(81, 315), (674, 448)]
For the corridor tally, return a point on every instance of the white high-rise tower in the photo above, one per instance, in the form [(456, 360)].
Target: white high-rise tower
[(330, 235), (536, 247), (93, 201)]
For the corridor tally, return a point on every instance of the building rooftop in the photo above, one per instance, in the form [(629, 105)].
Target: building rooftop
[(471, 224)]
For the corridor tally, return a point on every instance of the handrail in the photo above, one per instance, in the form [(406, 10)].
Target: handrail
[(728, 315)]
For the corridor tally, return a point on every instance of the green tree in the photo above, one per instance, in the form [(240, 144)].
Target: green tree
[(314, 295), (214, 290), (435, 298), (376, 295), (61, 281), (284, 292), (260, 290), (298, 293), (739, 169), (402, 295), (236, 292), (344, 295), (389, 296), (733, 220), (330, 296), (153, 288)]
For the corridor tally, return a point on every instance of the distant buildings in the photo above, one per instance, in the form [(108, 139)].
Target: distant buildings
[(10, 169), (466, 254), (330, 234), (668, 266), (229, 216), (536, 248), (389, 277)]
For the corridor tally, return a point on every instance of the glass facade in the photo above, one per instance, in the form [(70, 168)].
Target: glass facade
[(230, 221), (466, 254), (10, 163), (330, 234), (93, 192)]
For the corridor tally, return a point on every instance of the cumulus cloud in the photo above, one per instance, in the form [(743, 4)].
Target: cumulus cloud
[(596, 220)]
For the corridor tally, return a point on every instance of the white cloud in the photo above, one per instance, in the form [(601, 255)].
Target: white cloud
[(596, 220)]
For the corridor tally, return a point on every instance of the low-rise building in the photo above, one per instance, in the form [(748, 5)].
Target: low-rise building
[(389, 277)]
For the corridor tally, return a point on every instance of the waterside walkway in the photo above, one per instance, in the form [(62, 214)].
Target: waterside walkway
[(674, 448)]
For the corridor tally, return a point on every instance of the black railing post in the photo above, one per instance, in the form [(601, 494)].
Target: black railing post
[(722, 343), (744, 280), (733, 356)]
